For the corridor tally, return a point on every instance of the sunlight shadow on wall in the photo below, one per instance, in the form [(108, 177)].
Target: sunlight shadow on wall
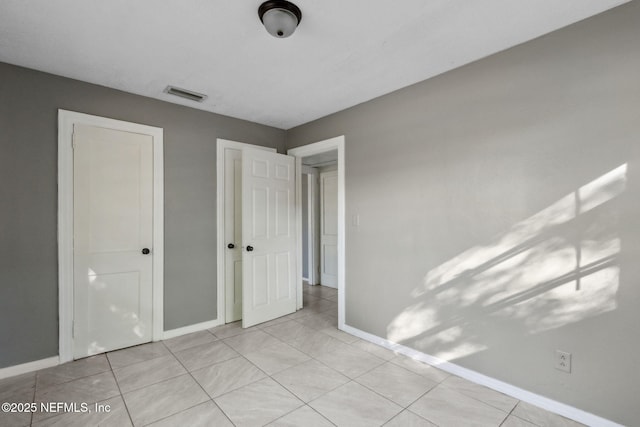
[(557, 267)]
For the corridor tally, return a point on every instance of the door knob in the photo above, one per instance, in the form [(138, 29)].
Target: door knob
[(231, 246), (145, 251), (249, 248)]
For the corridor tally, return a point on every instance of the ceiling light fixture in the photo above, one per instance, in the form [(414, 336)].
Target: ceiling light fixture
[(279, 17)]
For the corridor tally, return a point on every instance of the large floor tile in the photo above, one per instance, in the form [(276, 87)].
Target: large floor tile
[(317, 343), (396, 384), (304, 416), (258, 403), (230, 330), (273, 322), (90, 389), (289, 331), (189, 340), (163, 399), (446, 407), (116, 416), (227, 376), (340, 335), (407, 418), (310, 380), (72, 370), (376, 350), (19, 385), (350, 361), (420, 368), (490, 397), (139, 353), (206, 414), (276, 358), (513, 421), (251, 341), (16, 419), (153, 371), (540, 417), (353, 405), (205, 355)]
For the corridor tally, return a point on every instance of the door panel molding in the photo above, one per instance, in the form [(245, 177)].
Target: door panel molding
[(336, 143), (66, 122)]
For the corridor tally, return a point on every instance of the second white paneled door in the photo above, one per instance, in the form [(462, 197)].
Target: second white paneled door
[(268, 236), (113, 239), (329, 229)]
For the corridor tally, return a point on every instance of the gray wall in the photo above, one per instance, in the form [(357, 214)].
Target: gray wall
[(449, 177), (29, 102)]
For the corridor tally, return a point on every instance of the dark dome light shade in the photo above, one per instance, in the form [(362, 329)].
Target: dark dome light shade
[(280, 17)]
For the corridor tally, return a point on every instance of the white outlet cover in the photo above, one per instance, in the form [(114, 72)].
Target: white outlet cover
[(563, 361)]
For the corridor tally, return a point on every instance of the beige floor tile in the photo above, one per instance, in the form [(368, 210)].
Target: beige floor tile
[(446, 407), (258, 403), (420, 368), (153, 371), (289, 331), (407, 418), (230, 330), (116, 416), (163, 399), (310, 380), (205, 355), (276, 358), (376, 350), (139, 353), (90, 389), (540, 417), (318, 343), (353, 405), (490, 397), (16, 419), (513, 421), (206, 414), (396, 384), (340, 335), (19, 385), (304, 416), (251, 341), (190, 340), (350, 361), (72, 370), (227, 376)]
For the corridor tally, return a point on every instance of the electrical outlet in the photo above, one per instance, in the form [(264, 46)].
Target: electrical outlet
[(355, 220), (563, 361)]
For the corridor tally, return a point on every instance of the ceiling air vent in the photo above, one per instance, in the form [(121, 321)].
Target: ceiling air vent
[(184, 93)]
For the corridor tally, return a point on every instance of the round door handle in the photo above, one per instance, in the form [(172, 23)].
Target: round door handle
[(145, 251), (249, 248), (231, 246)]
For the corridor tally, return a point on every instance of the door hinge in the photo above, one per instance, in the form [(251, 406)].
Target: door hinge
[(73, 329)]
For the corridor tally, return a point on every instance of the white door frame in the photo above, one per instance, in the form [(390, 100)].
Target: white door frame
[(66, 121), (221, 145), (336, 143), (312, 191)]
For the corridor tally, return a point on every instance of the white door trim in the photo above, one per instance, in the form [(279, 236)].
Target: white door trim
[(221, 145), (312, 190), (336, 143), (66, 121)]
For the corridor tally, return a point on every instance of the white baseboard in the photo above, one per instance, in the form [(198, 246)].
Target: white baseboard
[(473, 376), (192, 328), (12, 371)]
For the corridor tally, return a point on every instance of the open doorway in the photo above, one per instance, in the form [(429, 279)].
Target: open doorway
[(321, 221)]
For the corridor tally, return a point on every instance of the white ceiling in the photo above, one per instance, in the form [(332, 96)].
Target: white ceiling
[(344, 52)]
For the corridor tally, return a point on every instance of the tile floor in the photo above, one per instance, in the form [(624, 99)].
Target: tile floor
[(298, 370)]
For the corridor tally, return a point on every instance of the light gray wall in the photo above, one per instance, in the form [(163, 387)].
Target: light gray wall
[(448, 176), (29, 102), (305, 224)]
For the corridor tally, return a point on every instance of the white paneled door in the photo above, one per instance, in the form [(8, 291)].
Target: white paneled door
[(268, 236), (113, 239), (329, 229), (233, 233)]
